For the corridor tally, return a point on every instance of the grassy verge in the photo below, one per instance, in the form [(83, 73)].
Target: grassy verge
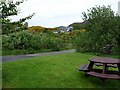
[(1, 70), (27, 51), (0, 52), (52, 71), (18, 52)]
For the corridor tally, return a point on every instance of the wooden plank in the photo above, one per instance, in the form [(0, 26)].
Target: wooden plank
[(108, 65), (103, 76), (83, 68), (105, 60)]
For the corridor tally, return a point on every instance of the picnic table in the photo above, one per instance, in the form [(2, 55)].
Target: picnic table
[(103, 73)]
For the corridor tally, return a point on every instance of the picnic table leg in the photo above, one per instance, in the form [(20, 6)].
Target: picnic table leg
[(105, 68), (118, 65), (90, 66)]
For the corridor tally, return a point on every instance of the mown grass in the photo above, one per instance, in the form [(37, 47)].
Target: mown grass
[(52, 71), (0, 53), (1, 70)]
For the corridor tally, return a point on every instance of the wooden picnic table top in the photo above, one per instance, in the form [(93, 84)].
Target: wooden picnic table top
[(105, 60)]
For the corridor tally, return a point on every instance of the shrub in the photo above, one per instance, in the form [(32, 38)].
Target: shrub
[(19, 40), (56, 44), (7, 42), (51, 29), (25, 40), (36, 29), (102, 31), (83, 43)]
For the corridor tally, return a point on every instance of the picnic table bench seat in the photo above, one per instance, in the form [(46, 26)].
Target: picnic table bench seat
[(83, 68), (103, 76), (108, 65)]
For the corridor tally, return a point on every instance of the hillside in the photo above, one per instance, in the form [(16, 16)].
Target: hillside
[(78, 25)]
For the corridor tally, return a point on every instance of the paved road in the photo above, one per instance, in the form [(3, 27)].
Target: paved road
[(18, 57)]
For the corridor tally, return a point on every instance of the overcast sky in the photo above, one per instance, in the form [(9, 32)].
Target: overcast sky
[(53, 13)]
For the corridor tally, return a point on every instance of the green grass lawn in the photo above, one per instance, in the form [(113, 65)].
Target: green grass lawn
[(52, 71), (0, 70), (0, 52)]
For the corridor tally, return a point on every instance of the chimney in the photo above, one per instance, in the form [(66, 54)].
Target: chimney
[(119, 8)]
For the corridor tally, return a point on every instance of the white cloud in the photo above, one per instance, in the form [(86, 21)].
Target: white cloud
[(52, 13)]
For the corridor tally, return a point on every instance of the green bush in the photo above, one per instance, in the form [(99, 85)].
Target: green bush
[(83, 43), (56, 44), (102, 35), (25, 40), (18, 40), (7, 42)]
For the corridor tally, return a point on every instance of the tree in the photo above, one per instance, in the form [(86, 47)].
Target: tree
[(102, 29), (9, 8)]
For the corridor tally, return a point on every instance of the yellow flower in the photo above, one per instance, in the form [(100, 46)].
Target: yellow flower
[(82, 30)]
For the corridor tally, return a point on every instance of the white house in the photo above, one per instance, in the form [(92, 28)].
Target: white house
[(63, 29)]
